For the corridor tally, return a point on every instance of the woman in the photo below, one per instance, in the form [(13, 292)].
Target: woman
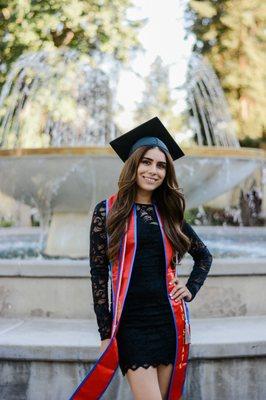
[(137, 235)]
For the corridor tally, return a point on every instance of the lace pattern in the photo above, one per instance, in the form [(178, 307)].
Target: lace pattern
[(202, 260), (99, 271), (146, 213), (99, 262), (135, 366)]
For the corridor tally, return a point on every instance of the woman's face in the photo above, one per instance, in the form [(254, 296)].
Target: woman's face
[(151, 170)]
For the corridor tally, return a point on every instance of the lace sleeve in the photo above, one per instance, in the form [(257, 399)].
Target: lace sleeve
[(202, 260), (99, 270)]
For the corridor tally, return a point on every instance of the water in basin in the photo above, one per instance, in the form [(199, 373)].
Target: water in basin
[(221, 241)]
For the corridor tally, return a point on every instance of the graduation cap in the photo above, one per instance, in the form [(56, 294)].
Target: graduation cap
[(150, 133)]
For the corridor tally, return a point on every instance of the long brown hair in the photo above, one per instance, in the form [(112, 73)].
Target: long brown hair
[(168, 197)]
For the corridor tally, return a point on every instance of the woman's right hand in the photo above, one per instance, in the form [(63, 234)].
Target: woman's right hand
[(104, 344)]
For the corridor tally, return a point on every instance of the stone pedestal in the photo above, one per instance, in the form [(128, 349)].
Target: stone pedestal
[(68, 235)]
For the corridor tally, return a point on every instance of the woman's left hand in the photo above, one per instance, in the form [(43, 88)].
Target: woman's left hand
[(180, 291)]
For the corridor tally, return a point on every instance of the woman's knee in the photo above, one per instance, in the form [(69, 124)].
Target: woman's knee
[(144, 383)]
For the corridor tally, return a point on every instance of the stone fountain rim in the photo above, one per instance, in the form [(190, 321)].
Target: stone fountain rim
[(199, 151)]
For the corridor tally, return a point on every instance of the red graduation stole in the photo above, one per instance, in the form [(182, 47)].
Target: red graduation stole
[(99, 377)]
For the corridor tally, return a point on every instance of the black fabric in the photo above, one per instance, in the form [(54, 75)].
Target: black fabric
[(153, 127), (146, 334)]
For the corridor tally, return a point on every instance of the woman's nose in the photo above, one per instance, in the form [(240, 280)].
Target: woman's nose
[(153, 168)]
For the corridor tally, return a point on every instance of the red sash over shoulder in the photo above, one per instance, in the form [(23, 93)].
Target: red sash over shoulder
[(99, 377)]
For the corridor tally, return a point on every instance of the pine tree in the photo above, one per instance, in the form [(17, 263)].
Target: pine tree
[(157, 99), (230, 34)]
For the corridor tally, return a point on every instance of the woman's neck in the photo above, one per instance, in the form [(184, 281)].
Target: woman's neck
[(143, 198)]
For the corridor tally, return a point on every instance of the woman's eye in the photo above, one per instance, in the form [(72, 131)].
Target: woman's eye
[(147, 162)]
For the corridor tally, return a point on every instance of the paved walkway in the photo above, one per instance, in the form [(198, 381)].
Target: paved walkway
[(72, 340)]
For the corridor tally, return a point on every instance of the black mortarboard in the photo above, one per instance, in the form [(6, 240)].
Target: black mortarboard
[(150, 133)]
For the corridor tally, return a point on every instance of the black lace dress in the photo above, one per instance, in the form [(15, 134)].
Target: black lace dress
[(146, 334)]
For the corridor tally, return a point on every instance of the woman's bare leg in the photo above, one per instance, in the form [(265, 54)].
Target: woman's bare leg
[(164, 375), (144, 383)]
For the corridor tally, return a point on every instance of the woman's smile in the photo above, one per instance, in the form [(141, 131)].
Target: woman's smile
[(149, 180)]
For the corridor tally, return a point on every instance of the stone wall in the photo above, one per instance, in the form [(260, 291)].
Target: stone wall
[(207, 379)]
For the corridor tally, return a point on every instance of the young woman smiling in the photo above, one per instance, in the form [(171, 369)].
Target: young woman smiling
[(138, 236)]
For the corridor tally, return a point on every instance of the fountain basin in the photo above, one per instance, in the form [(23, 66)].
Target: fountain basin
[(66, 178), (65, 184)]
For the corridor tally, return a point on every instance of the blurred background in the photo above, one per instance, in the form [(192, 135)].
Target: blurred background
[(75, 74), (136, 59)]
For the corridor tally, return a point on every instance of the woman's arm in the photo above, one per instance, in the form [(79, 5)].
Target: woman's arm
[(202, 260), (99, 270)]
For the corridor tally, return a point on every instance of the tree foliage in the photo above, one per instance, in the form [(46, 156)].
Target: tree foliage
[(90, 26), (157, 99), (230, 33)]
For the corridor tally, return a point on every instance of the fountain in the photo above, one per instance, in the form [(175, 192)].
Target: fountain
[(47, 97), (56, 121), (210, 117)]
